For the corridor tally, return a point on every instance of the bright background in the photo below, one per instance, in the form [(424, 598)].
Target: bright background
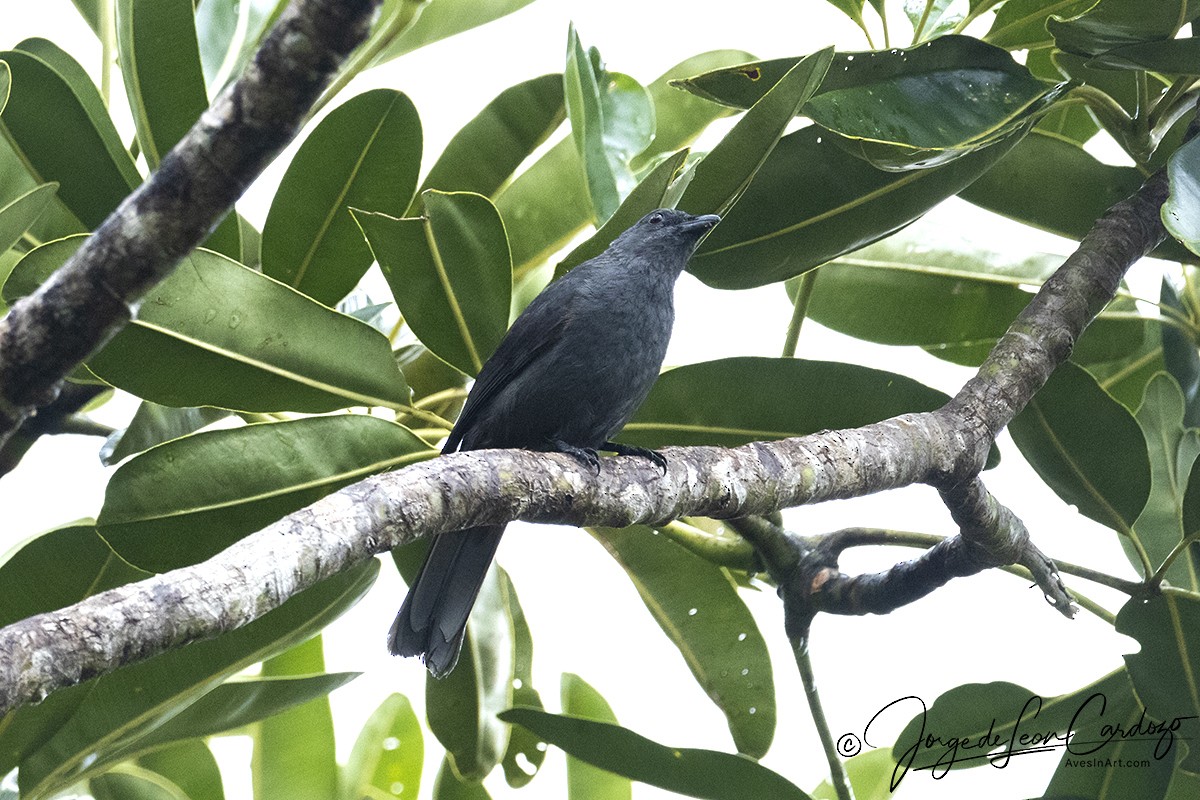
[(585, 615)]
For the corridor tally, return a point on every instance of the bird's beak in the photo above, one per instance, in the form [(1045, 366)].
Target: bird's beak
[(702, 224)]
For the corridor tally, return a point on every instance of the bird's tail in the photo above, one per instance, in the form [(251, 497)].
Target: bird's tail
[(433, 618)]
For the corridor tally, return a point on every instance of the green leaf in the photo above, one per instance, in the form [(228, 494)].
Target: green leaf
[(445, 18), (1055, 185), (219, 334), (388, 754), (1126, 379), (915, 109), (38, 578), (547, 204), (1173, 56), (487, 151), (18, 215), (732, 401), (1072, 432), (698, 608), (970, 721), (294, 752), (1173, 449), (160, 62), (585, 782), (1163, 671), (449, 786), (462, 707), (526, 752), (1109, 24), (183, 501), (812, 202), (1071, 121), (649, 194), (612, 121), (90, 11), (133, 783), (1179, 357), (56, 119), (450, 274), (190, 766), (698, 773), (154, 424), (870, 776), (1021, 24), (930, 18), (365, 154), (229, 31), (131, 702), (879, 292), (1181, 211), (722, 176)]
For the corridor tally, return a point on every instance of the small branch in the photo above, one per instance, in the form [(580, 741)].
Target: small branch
[(57, 417), (837, 771), (97, 291)]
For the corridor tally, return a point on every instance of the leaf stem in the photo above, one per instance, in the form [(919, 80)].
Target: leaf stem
[(108, 42), (733, 552), (837, 771), (428, 400), (1180, 548), (804, 291)]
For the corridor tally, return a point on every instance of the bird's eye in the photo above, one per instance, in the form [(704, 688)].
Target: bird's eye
[(655, 219)]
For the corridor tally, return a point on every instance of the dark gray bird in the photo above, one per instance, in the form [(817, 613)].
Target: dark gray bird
[(569, 374)]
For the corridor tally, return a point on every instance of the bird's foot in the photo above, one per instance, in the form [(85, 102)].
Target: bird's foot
[(585, 454), (654, 456)]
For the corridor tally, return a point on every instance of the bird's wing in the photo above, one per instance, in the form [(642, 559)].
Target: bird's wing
[(534, 333)]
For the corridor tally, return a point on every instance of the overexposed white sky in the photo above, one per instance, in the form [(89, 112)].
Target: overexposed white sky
[(584, 613)]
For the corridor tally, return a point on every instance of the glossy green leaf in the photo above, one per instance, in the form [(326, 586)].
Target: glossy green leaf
[(294, 752), (525, 753), (547, 204), (36, 579), (1173, 56), (1180, 358), (56, 119), (18, 215), (90, 11), (487, 151), (698, 608), (449, 786), (732, 401), (612, 121), (444, 18), (1072, 432), (585, 782), (697, 773), (812, 202), (1173, 449), (190, 766), (1126, 379), (1109, 24), (216, 333), (160, 62), (229, 31), (1070, 121), (154, 424), (1167, 627), (462, 707), (450, 274), (1055, 185), (723, 175), (882, 294), (1021, 24), (365, 154), (921, 108), (388, 754), (1181, 211), (649, 194), (931, 18), (132, 701), (185, 500), (970, 721)]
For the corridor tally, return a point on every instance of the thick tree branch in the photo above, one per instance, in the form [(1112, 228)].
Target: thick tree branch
[(97, 291)]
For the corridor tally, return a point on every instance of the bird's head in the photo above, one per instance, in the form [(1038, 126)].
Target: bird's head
[(667, 229)]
